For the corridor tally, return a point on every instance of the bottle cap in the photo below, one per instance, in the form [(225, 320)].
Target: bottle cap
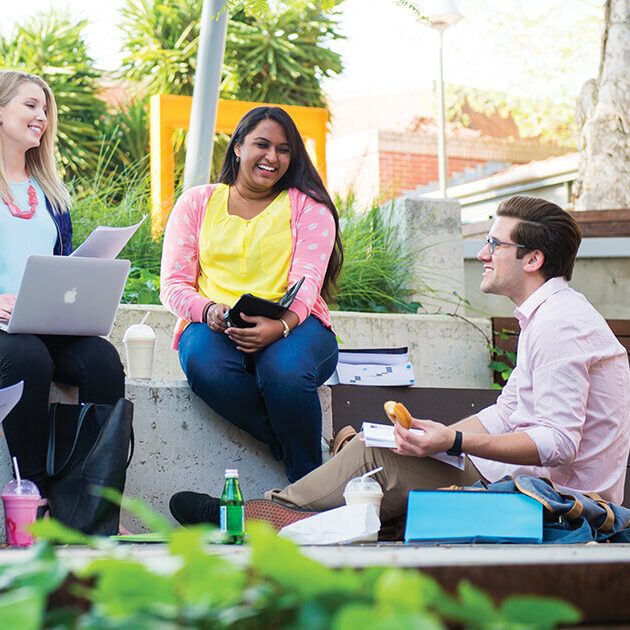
[(231, 473)]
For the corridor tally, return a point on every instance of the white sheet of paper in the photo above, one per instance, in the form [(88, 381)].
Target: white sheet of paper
[(107, 242), (382, 436), (9, 397), (373, 374)]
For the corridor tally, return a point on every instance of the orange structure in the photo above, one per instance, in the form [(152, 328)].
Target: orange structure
[(169, 113)]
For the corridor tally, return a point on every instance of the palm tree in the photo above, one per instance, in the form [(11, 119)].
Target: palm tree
[(276, 55)]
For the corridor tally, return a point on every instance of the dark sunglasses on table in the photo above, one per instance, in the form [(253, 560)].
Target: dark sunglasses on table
[(493, 243)]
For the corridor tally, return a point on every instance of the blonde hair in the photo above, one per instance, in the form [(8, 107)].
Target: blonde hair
[(40, 160)]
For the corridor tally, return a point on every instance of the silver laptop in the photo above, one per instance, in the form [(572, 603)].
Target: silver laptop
[(63, 295)]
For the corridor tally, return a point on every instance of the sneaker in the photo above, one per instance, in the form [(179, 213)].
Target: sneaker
[(191, 508), (277, 515)]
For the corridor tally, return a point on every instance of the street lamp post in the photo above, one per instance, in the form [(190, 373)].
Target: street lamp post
[(441, 14), (205, 100)]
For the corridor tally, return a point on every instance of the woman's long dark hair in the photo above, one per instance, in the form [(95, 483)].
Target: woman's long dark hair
[(301, 174)]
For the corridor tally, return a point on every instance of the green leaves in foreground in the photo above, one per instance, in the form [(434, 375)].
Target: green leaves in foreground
[(278, 587)]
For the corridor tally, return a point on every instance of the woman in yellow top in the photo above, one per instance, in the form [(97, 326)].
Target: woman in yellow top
[(268, 223)]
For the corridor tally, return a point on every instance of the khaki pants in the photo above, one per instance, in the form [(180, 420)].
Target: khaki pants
[(322, 489)]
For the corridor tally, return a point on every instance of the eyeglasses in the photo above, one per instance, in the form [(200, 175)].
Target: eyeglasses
[(493, 243)]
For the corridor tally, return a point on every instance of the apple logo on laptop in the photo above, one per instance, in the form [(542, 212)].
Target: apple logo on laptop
[(70, 297)]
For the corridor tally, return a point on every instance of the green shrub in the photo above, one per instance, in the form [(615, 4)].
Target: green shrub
[(120, 200), (377, 272), (278, 587)]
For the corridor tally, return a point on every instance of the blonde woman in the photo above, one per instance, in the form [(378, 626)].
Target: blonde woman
[(34, 219)]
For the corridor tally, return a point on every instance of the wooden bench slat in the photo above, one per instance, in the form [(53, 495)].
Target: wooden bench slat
[(354, 404)]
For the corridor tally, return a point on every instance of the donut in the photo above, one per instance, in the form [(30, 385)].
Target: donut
[(397, 412)]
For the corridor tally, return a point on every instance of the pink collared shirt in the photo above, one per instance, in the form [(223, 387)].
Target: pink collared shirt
[(570, 392)]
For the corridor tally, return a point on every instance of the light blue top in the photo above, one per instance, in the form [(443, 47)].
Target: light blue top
[(19, 238)]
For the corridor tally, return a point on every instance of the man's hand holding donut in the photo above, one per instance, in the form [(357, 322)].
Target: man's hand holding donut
[(437, 438)]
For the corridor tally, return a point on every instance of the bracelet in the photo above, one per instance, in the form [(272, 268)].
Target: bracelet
[(456, 449), (206, 308), (287, 330)]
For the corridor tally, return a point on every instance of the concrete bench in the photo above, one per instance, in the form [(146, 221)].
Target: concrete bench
[(181, 444)]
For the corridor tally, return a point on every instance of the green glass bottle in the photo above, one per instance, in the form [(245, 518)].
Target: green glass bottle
[(232, 510)]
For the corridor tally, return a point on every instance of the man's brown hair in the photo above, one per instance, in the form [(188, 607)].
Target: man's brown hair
[(545, 226)]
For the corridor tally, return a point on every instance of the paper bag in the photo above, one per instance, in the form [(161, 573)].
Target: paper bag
[(350, 523)]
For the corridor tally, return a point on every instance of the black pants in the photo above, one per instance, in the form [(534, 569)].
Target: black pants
[(91, 363)]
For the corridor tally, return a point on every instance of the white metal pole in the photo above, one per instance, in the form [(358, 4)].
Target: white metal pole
[(205, 100), (442, 173)]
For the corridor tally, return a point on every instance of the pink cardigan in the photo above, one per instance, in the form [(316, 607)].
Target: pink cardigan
[(313, 229)]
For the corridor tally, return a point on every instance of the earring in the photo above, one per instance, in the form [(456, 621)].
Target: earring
[(238, 159)]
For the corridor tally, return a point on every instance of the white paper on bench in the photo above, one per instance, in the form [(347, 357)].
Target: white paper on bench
[(371, 374), (382, 436), (106, 242), (9, 397)]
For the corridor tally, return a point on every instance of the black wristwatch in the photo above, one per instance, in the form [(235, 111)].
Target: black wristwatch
[(456, 449)]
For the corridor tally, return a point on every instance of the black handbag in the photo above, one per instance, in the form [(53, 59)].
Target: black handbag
[(95, 443)]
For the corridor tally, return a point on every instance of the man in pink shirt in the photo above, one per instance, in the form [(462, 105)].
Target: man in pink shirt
[(563, 414)]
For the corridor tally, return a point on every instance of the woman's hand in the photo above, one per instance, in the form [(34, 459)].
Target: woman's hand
[(437, 438), (263, 334), (7, 302), (215, 317)]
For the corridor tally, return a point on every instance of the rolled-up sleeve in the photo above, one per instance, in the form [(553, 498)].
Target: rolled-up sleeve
[(562, 384), (495, 418)]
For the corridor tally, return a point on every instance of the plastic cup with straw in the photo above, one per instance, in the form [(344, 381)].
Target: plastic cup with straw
[(364, 489), (20, 498), (139, 340)]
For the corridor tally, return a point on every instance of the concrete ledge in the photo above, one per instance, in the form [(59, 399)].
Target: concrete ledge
[(565, 571), (446, 351), (181, 444)]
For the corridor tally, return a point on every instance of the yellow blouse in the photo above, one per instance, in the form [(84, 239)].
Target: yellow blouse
[(239, 255)]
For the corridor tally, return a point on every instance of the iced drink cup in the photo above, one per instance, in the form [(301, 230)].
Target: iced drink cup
[(364, 490), (139, 340), (20, 500)]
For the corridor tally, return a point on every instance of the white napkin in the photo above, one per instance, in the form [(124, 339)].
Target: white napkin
[(346, 524)]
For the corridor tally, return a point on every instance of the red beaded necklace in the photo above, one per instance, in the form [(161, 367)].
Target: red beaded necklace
[(32, 203)]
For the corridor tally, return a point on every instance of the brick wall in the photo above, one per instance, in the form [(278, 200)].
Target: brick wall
[(405, 171)]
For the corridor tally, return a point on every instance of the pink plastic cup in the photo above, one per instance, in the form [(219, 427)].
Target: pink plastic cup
[(20, 510)]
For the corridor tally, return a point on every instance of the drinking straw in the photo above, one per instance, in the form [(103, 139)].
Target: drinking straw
[(370, 473), (144, 319), (16, 468)]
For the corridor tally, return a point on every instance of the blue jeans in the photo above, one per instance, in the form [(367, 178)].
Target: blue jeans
[(271, 394)]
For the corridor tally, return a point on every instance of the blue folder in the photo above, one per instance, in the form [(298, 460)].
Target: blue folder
[(460, 516)]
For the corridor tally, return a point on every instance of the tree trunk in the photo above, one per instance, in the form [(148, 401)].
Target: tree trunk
[(603, 118)]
